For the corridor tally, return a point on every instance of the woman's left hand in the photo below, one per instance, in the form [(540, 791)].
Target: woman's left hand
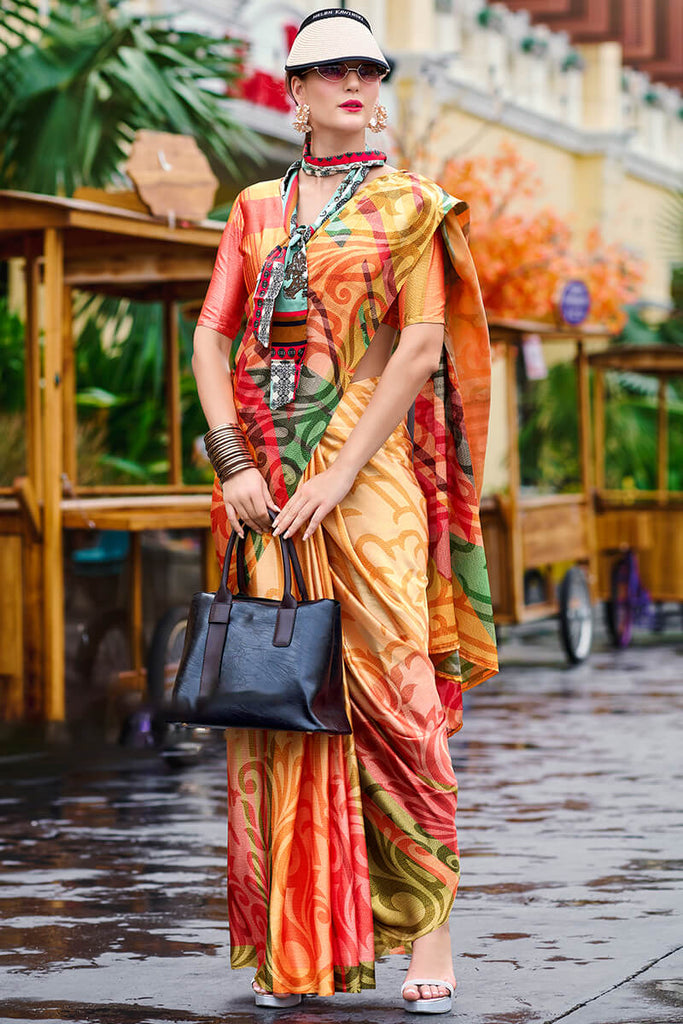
[(312, 501)]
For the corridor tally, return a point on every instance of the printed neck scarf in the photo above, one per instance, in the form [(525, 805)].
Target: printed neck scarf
[(281, 294)]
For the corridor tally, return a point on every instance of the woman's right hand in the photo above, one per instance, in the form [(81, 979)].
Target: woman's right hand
[(247, 497)]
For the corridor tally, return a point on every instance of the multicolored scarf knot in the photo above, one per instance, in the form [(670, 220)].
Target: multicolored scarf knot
[(281, 294)]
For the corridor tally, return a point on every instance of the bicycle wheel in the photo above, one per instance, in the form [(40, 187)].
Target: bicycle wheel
[(576, 615), (620, 608), (164, 654)]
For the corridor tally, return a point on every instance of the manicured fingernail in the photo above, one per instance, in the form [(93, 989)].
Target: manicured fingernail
[(286, 534)]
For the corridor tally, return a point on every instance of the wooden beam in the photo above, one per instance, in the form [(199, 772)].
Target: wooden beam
[(659, 360), (138, 512), (117, 265), (69, 388), (515, 524), (137, 640), (33, 369), (26, 495), (11, 629), (139, 226), (53, 573), (25, 211), (504, 329), (584, 412), (583, 398), (135, 520), (662, 441), (23, 217), (33, 632), (173, 412), (153, 291), (512, 421), (118, 489), (599, 437)]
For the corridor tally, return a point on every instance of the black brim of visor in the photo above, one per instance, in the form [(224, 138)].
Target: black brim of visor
[(335, 60)]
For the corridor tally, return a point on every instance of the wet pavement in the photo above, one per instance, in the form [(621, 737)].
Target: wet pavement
[(112, 887)]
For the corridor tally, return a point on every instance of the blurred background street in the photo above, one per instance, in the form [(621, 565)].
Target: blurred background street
[(127, 129), (112, 892)]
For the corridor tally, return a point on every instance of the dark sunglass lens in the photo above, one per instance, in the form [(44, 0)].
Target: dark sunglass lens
[(333, 72), (369, 72)]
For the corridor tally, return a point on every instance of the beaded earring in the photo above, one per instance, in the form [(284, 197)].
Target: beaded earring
[(301, 122), (378, 121)]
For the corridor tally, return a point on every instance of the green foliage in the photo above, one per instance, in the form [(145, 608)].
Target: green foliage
[(12, 397), (77, 85), (548, 439), (11, 360), (120, 376), (630, 435)]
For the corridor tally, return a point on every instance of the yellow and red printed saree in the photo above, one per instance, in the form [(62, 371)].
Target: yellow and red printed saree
[(343, 848)]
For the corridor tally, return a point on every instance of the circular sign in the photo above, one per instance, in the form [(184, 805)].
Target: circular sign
[(574, 302)]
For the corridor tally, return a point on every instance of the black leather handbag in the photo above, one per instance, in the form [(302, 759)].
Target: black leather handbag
[(261, 664)]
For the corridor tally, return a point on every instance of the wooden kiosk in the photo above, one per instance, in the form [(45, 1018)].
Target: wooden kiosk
[(541, 534), (67, 244)]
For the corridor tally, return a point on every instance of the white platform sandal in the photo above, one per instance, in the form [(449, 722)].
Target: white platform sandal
[(437, 1004), (265, 999)]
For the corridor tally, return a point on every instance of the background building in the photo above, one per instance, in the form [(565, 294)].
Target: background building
[(549, 77), (607, 138)]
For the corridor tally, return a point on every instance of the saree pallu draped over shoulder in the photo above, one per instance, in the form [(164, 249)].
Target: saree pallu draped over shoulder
[(343, 848)]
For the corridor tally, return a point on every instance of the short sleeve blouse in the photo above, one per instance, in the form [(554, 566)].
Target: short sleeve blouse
[(227, 293), (422, 299)]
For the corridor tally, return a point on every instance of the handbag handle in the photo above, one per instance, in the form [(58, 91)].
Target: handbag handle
[(221, 607), (291, 554)]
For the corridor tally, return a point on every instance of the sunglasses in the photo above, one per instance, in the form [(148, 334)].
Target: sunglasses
[(337, 72)]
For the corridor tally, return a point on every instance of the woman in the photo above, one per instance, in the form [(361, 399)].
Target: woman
[(343, 848)]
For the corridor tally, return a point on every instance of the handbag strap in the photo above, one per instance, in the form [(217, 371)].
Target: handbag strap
[(221, 607), (287, 550)]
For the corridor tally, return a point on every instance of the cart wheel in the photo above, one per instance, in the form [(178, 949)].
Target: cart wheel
[(620, 608), (576, 615), (164, 654)]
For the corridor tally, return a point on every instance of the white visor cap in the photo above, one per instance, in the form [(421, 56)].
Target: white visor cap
[(333, 34)]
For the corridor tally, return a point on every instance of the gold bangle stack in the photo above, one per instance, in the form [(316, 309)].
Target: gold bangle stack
[(227, 450)]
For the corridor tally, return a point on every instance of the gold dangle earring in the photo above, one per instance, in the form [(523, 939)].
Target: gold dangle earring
[(301, 122), (378, 121)]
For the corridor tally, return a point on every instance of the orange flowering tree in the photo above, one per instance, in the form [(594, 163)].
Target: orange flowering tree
[(524, 254)]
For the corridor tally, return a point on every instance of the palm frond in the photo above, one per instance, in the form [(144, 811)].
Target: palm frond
[(20, 24), (76, 86)]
